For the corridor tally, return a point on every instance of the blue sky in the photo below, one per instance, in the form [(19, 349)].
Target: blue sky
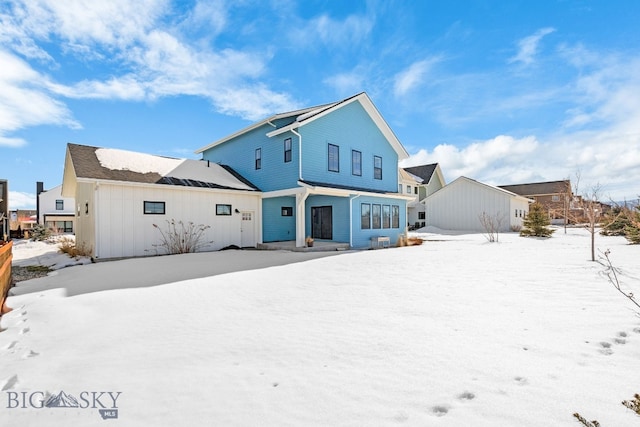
[(504, 92)]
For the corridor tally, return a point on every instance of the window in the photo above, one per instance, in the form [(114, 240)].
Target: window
[(399, 188), (286, 211), (377, 167), (375, 216), (152, 208), (258, 158), (223, 209), (555, 198), (287, 150), (395, 216), (386, 216), (59, 205), (365, 216), (415, 190), (334, 158), (408, 189), (356, 163), (516, 213), (421, 215)]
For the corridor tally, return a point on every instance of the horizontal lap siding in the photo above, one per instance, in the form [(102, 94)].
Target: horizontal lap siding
[(124, 230), (350, 128), (239, 153), (362, 237), (340, 215), (278, 228)]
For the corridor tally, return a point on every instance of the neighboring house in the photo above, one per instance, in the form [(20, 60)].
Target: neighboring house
[(432, 181), (460, 205), (409, 184), (120, 195), (4, 209), (55, 212), (329, 172), (555, 196), (21, 220)]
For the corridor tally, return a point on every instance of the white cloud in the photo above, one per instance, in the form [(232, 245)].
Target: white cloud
[(412, 77), (528, 46), (21, 200), (149, 56), (346, 83), (25, 100), (352, 30)]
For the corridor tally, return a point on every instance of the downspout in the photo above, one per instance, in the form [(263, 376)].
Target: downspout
[(351, 219), (299, 153)]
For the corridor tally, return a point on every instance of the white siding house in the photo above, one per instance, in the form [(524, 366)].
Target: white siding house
[(460, 204), (430, 179), (55, 212), (120, 195)]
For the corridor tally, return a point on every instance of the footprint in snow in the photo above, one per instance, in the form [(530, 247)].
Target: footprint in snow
[(25, 331), (520, 380), (606, 348), (467, 395), (619, 341), (11, 345), (30, 354), (439, 411), (8, 384)]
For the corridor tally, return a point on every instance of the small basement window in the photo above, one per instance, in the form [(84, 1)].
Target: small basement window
[(287, 211)]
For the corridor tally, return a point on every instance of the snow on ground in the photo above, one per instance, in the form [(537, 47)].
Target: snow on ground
[(44, 253), (455, 332)]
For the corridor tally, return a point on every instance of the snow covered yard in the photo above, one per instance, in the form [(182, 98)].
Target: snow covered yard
[(455, 332)]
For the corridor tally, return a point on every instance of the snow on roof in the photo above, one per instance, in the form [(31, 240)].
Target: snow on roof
[(115, 159)]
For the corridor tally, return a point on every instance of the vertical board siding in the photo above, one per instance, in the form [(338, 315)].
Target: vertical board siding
[(350, 128), (278, 228), (125, 230), (85, 223), (458, 206)]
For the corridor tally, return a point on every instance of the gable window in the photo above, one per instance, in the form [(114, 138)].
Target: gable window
[(395, 216), (153, 208), (376, 214), (386, 216), (258, 158), (59, 205), (377, 167), (356, 163), (334, 158), (365, 216), (223, 209), (287, 211), (287, 150)]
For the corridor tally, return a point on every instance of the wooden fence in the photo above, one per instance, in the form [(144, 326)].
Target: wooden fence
[(5, 274)]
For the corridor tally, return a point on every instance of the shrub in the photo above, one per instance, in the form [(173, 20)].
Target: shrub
[(181, 238), (68, 246), (40, 233)]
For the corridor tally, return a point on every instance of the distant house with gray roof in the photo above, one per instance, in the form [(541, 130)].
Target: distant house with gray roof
[(422, 181)]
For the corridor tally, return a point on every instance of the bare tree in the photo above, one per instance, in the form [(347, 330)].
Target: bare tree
[(492, 225), (587, 210)]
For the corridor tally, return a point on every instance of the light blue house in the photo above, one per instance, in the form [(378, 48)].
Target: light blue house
[(329, 172)]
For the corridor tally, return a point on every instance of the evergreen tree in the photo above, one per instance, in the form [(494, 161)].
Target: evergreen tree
[(536, 223), (616, 221), (632, 231)]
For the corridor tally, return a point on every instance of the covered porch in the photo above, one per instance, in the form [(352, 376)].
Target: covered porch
[(290, 245)]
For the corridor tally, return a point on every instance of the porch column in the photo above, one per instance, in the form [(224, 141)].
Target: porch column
[(300, 218)]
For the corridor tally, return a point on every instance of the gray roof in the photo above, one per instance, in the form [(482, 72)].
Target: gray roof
[(86, 164), (424, 171), (539, 188)]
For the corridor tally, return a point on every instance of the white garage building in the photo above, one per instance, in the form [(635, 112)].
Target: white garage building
[(120, 195), (460, 205)]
